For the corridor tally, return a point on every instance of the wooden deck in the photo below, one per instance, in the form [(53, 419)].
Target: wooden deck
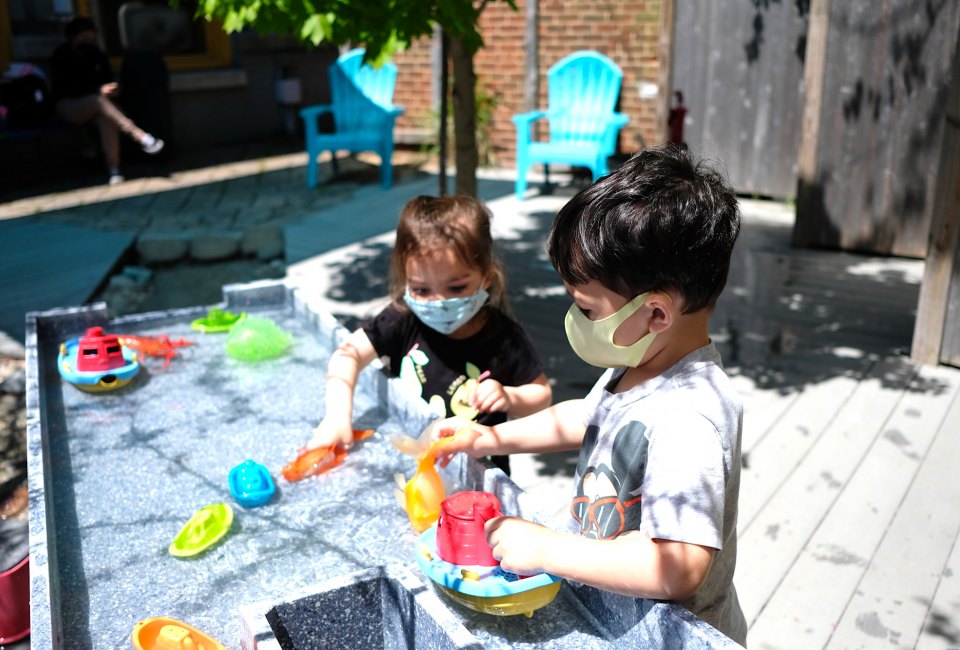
[(849, 503)]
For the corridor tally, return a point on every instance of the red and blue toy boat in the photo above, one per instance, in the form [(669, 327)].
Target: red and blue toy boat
[(97, 362)]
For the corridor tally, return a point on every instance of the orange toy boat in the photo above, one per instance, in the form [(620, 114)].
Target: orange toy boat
[(162, 633), (311, 462)]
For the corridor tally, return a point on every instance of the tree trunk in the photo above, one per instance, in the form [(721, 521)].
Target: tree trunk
[(444, 95), (531, 45), (464, 117)]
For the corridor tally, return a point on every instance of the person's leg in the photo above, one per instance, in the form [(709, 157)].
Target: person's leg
[(109, 110), (110, 141), (149, 143), (78, 110), (110, 121), (81, 110)]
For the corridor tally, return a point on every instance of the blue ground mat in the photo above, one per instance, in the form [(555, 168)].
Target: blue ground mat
[(44, 265)]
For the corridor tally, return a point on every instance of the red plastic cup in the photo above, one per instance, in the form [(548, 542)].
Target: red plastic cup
[(15, 602), (460, 537)]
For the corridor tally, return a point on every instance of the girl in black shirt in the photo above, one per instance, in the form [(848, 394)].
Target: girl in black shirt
[(447, 333)]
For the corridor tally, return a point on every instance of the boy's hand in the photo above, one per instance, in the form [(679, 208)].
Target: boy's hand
[(490, 397), (467, 434), (329, 433), (518, 544)]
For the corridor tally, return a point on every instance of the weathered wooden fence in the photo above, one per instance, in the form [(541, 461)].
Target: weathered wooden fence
[(739, 65), (877, 77)]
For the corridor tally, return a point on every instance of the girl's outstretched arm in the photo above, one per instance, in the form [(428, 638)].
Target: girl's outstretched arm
[(350, 357)]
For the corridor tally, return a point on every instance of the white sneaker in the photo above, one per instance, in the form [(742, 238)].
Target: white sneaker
[(151, 144), (115, 179)]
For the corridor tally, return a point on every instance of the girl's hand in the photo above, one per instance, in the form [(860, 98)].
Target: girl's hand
[(518, 544), (109, 89), (490, 396), (329, 433)]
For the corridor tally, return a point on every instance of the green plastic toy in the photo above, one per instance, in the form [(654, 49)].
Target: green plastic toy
[(204, 529), (257, 339), (217, 320)]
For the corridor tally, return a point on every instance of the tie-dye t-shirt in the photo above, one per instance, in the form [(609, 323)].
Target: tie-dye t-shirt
[(663, 458)]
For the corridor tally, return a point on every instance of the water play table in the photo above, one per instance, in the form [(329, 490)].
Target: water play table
[(114, 476)]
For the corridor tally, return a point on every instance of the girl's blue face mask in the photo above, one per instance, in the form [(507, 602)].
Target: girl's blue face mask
[(449, 314)]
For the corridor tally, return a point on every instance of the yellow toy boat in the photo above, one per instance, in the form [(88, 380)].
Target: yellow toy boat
[(217, 320), (490, 590), (204, 529), (162, 633)]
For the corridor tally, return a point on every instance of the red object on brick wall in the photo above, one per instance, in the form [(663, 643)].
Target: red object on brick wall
[(678, 112)]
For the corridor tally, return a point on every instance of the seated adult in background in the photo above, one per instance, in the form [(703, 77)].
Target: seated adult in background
[(83, 85)]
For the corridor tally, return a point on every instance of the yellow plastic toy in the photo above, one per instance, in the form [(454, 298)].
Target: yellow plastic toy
[(422, 495), (489, 590), (162, 633), (204, 529)]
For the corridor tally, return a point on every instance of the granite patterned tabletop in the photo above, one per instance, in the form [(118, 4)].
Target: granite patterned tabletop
[(114, 476)]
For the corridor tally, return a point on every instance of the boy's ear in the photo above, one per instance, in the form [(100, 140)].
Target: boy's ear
[(662, 311)]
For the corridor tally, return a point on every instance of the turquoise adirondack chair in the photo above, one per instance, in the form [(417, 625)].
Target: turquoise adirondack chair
[(363, 115), (582, 90)]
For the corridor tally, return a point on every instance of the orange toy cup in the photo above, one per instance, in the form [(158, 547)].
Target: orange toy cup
[(460, 536)]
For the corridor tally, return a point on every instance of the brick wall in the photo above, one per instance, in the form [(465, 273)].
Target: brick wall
[(627, 31)]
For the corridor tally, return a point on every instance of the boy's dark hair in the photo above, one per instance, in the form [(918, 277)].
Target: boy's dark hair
[(660, 221), (79, 25)]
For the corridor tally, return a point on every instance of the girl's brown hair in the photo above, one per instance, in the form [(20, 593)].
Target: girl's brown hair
[(461, 223)]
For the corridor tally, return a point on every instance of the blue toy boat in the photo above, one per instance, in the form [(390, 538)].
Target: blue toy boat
[(97, 362), (486, 589), (251, 484)]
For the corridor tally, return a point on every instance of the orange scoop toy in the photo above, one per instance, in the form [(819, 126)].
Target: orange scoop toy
[(163, 633), (315, 461)]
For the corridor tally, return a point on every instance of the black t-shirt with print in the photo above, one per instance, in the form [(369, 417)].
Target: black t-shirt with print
[(441, 366)]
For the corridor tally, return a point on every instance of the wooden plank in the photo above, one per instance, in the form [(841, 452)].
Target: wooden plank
[(809, 188), (764, 407), (810, 598), (941, 630), (774, 458), (740, 73), (780, 531), (879, 134), (942, 253), (893, 602), (668, 13)]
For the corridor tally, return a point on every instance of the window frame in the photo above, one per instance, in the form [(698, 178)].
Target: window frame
[(217, 54)]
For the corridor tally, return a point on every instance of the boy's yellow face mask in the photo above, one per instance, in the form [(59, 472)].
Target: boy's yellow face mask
[(592, 340)]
